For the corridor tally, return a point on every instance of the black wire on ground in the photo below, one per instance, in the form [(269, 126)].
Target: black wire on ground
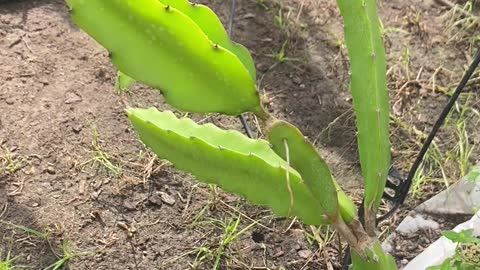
[(229, 31), (405, 186)]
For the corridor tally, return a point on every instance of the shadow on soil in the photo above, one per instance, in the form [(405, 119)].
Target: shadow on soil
[(23, 7), (30, 251)]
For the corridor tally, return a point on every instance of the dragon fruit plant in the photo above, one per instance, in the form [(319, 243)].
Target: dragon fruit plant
[(183, 50)]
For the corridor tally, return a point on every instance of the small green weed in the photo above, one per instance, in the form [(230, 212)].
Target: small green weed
[(463, 24), (10, 163), (281, 20), (7, 263), (100, 157), (230, 234), (37, 234), (262, 4), (68, 253)]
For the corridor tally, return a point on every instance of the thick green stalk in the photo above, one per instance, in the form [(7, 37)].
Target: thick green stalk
[(373, 259), (290, 144), (363, 37), (285, 138)]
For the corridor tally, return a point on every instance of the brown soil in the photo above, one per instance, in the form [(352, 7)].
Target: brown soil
[(58, 107)]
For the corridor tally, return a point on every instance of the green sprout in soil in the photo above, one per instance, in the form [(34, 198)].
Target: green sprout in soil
[(31, 232), (464, 24), (100, 157), (68, 253), (230, 233), (8, 162), (7, 263)]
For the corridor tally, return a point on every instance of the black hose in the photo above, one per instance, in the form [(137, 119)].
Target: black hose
[(405, 186), (244, 122)]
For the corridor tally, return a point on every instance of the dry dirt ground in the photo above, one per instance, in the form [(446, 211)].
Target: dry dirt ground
[(72, 169)]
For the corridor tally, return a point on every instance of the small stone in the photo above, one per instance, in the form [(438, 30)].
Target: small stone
[(72, 98), (94, 195), (30, 171), (51, 169), (278, 254), (77, 128), (413, 224), (81, 186), (166, 198), (297, 80), (155, 199), (63, 119), (423, 92), (262, 67), (43, 81), (10, 101), (304, 253), (248, 16), (129, 206), (97, 184), (422, 118), (255, 247), (302, 86)]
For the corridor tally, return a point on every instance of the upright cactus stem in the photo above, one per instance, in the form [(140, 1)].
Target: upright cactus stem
[(363, 37)]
